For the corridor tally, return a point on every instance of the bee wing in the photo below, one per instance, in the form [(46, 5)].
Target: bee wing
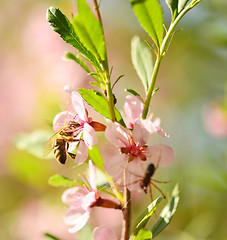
[(48, 147)]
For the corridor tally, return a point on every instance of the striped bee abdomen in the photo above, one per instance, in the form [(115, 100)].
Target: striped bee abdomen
[(60, 149)]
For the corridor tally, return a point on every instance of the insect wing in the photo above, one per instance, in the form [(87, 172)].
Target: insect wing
[(48, 147)]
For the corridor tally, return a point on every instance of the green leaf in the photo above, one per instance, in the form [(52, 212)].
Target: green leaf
[(181, 5), (33, 142), (144, 234), (71, 56), (149, 14), (50, 236), (98, 79), (133, 92), (116, 81), (154, 91), (60, 24), (96, 157), (98, 101), (176, 6), (94, 74), (144, 218), (89, 30), (142, 61), (167, 212), (84, 35), (173, 5), (61, 181), (95, 84)]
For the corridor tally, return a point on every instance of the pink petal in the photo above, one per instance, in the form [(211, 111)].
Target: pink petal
[(89, 136), (92, 176), (104, 233), (78, 104), (140, 134), (133, 108), (82, 153), (88, 200), (153, 127), (68, 89), (69, 195), (135, 172), (80, 223), (72, 146), (160, 155), (73, 215), (62, 119), (117, 135), (161, 132), (114, 165)]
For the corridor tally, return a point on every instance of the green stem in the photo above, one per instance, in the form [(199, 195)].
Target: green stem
[(106, 73), (114, 187), (110, 99), (161, 54), (151, 88), (106, 65)]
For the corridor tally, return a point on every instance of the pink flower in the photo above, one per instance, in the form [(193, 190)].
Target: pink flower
[(86, 130), (80, 201), (104, 233), (215, 121), (133, 108), (134, 154)]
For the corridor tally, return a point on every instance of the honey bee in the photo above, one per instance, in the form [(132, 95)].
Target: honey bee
[(59, 142)]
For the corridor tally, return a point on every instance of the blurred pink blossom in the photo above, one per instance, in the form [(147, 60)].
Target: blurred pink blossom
[(37, 218), (215, 121), (104, 233), (107, 216), (17, 100), (42, 46)]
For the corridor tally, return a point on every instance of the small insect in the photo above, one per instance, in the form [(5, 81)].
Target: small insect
[(147, 180), (144, 183), (59, 142)]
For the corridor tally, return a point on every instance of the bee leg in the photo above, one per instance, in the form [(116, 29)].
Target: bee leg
[(150, 192), (72, 155), (160, 181), (151, 196)]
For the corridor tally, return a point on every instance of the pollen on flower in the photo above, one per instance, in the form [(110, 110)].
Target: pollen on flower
[(134, 150)]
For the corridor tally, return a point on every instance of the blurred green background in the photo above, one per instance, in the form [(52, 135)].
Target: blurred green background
[(192, 82)]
